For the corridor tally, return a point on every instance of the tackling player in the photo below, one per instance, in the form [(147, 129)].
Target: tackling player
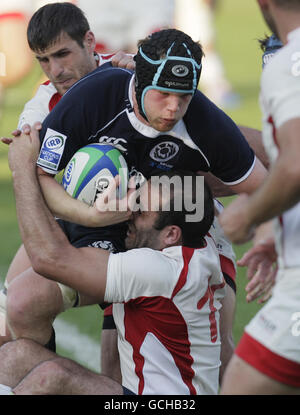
[(167, 293), (31, 311)]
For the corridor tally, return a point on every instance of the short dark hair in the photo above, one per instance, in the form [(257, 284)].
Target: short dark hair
[(193, 233), (48, 22)]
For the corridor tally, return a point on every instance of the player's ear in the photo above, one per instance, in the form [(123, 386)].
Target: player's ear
[(172, 235), (90, 41)]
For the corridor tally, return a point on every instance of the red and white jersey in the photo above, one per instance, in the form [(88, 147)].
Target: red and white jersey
[(166, 309), (46, 98), (224, 246), (280, 101)]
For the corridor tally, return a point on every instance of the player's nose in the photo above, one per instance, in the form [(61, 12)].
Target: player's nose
[(173, 103), (56, 68)]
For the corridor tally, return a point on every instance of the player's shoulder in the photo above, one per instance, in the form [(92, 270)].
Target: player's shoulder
[(45, 89), (205, 119), (283, 67), (104, 73), (203, 110)]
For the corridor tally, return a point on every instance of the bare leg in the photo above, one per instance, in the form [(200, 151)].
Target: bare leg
[(29, 369), (18, 357), (65, 377), (33, 302), (110, 360), (242, 379), (19, 264)]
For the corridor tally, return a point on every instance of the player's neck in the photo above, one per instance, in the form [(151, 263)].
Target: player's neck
[(286, 22)]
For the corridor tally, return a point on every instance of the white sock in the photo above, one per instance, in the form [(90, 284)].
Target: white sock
[(5, 390)]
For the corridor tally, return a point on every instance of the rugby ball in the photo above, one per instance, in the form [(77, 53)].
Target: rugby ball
[(90, 171)]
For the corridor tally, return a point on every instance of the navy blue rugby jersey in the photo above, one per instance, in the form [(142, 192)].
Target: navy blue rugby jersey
[(99, 108)]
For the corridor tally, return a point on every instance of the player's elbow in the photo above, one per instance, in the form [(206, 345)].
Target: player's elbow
[(46, 263)]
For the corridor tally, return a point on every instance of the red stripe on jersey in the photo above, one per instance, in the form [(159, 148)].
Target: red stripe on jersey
[(12, 16), (46, 83), (227, 267), (209, 296), (108, 311), (107, 57), (161, 317), (274, 133), (271, 364), (54, 100), (187, 254)]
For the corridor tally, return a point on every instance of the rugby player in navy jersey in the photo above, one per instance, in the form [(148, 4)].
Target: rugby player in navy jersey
[(158, 119)]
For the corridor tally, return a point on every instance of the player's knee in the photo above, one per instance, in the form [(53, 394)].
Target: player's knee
[(19, 305), (28, 303), (50, 376), (15, 350)]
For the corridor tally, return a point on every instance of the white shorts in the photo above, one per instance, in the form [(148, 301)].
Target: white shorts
[(271, 342)]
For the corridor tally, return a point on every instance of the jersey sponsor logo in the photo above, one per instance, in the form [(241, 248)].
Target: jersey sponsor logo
[(116, 142), (54, 142), (180, 70), (107, 245), (52, 149), (181, 85), (164, 151)]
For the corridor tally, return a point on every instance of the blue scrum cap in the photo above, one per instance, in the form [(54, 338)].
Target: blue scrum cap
[(271, 47), (168, 60)]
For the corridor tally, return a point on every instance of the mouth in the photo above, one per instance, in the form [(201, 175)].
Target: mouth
[(64, 82)]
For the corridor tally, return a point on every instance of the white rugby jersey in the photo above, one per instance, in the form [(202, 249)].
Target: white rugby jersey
[(46, 98), (224, 246), (280, 101), (167, 316)]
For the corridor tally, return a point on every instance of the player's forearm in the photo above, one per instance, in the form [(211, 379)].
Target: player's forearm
[(254, 138), (67, 208), (218, 188), (36, 223)]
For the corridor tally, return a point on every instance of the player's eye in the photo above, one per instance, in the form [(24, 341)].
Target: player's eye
[(42, 60), (63, 54)]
